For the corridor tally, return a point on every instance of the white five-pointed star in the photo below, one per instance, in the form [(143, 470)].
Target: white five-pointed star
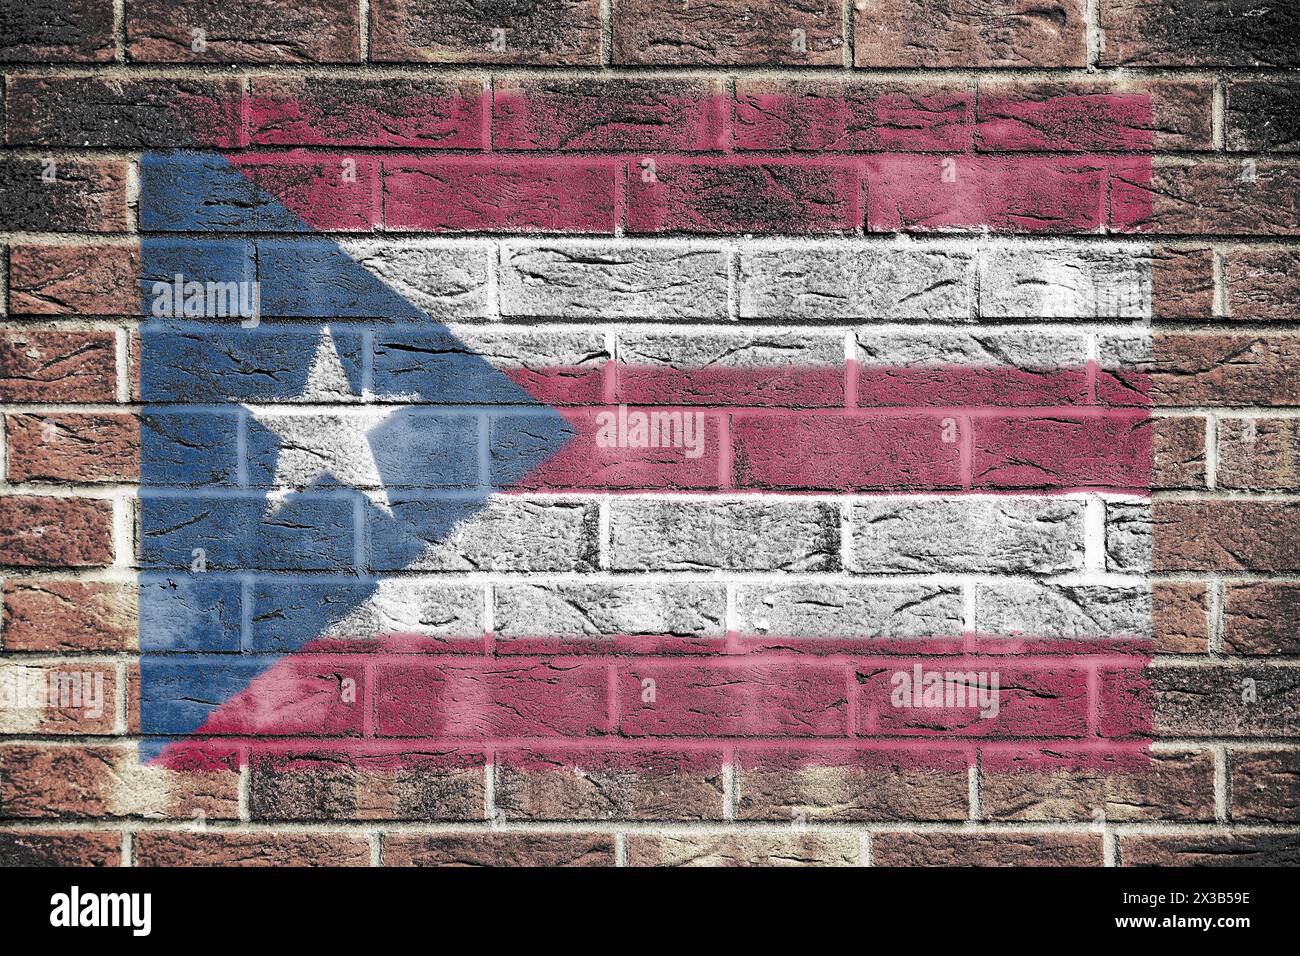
[(313, 444)]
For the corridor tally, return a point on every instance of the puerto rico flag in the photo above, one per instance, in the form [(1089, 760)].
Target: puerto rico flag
[(806, 444)]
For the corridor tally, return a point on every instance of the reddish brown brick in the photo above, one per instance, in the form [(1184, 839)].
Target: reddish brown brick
[(243, 31), (743, 849), (53, 615), (940, 33), (379, 784), (55, 31), (1054, 785), (733, 32), (1102, 116), (124, 113), (1259, 453), (537, 32), (555, 784), (1180, 617), (871, 785), (39, 365), (74, 280), (1263, 284), (221, 848), (1225, 369), (1182, 283), (499, 849), (1212, 535), (1181, 33), (81, 447), (1178, 452), (39, 781), (1265, 785), (1260, 618), (60, 848), (987, 849), (73, 196), (1238, 849), (1208, 197), (41, 532)]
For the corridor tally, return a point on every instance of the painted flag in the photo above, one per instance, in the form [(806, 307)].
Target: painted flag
[(436, 474)]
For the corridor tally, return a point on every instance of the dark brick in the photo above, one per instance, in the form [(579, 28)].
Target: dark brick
[(83, 196), (1225, 700), (1200, 33), (243, 31), (537, 32), (56, 31), (1263, 116), (1239, 849)]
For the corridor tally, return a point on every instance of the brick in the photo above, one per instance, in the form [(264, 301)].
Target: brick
[(1100, 116), (936, 33), (124, 114), (1262, 284), (799, 785), (242, 31), (855, 610), (521, 195), (58, 699), (1052, 785), (743, 849), (52, 615), (1238, 849), (1225, 701), (1260, 618), (1029, 194), (1191, 197), (987, 849), (83, 196), (1180, 618), (1182, 283), (40, 532), (1067, 282), (420, 783), (967, 535), (1060, 452), (804, 116), (513, 698), (592, 610), (624, 281), (717, 534), (1178, 452), (40, 781), (54, 366), (812, 283), (74, 280), (80, 848), (220, 848), (58, 31), (560, 784), (1262, 117), (732, 32), (444, 281), (1229, 33), (744, 196), (1062, 611), (1225, 369), (499, 849), (660, 115), (731, 698), (397, 113), (1265, 785), (861, 451), (509, 534), (549, 32), (1226, 536), (1261, 453), (73, 447)]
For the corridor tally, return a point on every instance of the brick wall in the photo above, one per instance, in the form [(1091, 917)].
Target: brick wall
[(738, 208)]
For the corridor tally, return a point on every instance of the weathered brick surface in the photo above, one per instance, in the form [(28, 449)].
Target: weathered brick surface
[(988, 315)]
